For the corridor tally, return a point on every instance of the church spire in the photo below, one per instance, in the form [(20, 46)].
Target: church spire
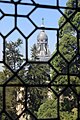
[(42, 21), (42, 25), (42, 44)]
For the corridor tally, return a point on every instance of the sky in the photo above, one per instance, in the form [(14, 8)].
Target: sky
[(50, 16)]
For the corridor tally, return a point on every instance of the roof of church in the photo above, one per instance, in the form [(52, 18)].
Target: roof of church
[(42, 35), (42, 45)]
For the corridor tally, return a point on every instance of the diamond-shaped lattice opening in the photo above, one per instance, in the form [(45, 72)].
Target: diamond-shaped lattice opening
[(41, 45), (5, 73), (59, 63), (76, 89), (1, 48), (60, 80), (47, 2), (53, 74), (28, 26), (75, 66), (67, 29), (15, 50), (49, 17), (67, 13), (35, 74), (3, 116), (68, 42), (58, 89), (61, 21), (42, 102), (74, 80), (15, 100), (15, 81), (68, 105), (76, 20), (1, 99)]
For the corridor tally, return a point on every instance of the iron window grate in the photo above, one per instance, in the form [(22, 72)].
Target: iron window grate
[(16, 76)]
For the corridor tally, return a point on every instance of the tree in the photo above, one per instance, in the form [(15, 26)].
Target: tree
[(75, 19), (68, 40), (69, 115), (69, 48), (34, 52), (13, 56), (48, 109), (36, 74), (14, 60)]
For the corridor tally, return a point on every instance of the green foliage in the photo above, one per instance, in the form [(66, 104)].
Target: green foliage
[(76, 20), (61, 21), (14, 59), (68, 46), (2, 77), (71, 3), (37, 97), (59, 64), (48, 109), (67, 28), (11, 101), (13, 56), (36, 74), (69, 115), (33, 74), (34, 52)]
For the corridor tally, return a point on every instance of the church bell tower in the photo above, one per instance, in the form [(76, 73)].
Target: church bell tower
[(42, 45)]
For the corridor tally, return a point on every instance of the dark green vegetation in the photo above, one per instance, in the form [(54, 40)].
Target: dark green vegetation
[(39, 102), (14, 60)]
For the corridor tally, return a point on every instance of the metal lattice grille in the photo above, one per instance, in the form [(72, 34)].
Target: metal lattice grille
[(25, 84)]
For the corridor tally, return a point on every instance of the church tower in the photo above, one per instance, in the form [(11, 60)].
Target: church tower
[(43, 52)]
